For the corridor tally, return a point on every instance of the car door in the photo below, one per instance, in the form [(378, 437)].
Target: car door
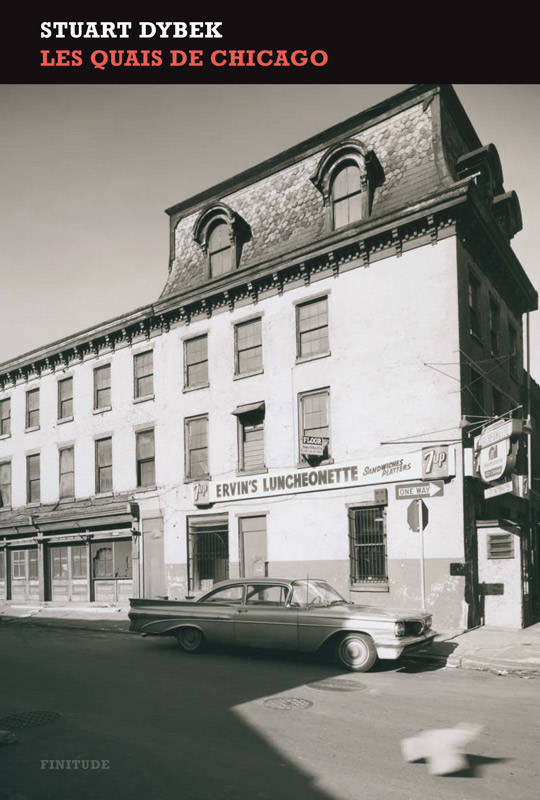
[(265, 619), (216, 613)]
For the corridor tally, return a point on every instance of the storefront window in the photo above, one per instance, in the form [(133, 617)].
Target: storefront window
[(111, 559), (33, 565), (59, 562), (78, 562), (18, 563)]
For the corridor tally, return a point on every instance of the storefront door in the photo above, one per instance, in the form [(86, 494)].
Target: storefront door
[(253, 547), (208, 550), (24, 574), (68, 568)]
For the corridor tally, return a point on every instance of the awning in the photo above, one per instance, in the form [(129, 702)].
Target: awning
[(249, 408)]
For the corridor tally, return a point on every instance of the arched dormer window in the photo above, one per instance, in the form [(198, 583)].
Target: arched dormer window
[(347, 176), (346, 195), (221, 232)]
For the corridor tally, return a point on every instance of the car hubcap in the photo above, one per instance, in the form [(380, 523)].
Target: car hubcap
[(190, 639), (353, 652)]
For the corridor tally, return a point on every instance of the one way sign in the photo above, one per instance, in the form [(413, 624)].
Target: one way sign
[(408, 491)]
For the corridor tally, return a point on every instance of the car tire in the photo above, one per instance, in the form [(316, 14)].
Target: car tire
[(356, 652), (190, 640)]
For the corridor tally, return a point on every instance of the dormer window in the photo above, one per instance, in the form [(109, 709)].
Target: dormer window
[(221, 233), (347, 176), (346, 195), (219, 250)]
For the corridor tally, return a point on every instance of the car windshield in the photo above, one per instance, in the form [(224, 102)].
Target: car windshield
[(314, 593)]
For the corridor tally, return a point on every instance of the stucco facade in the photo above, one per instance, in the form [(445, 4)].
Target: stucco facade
[(394, 289)]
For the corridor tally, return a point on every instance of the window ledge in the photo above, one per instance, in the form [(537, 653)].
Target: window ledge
[(144, 398), (5, 436), (303, 359), (370, 587), (64, 419), (33, 428), (143, 489), (66, 499), (258, 471), (327, 462), (104, 494), (102, 410), (197, 480), (33, 505), (195, 388), (240, 375)]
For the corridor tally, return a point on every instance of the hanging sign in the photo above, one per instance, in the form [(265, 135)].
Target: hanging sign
[(314, 445)]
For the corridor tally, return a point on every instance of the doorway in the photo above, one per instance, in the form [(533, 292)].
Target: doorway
[(253, 547)]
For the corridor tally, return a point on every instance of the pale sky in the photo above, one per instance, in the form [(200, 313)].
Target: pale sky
[(87, 172)]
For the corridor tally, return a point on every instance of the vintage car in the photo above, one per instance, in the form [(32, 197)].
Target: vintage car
[(304, 615)]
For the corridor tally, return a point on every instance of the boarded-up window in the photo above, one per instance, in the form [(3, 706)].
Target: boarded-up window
[(5, 416), (312, 328), (500, 545), (143, 369), (196, 447), (314, 421), (346, 195), (102, 386), (219, 250), (248, 347), (32, 408), (32, 479), (5, 484), (196, 362), (104, 465), (65, 398), (67, 472), (251, 441), (367, 545), (145, 454)]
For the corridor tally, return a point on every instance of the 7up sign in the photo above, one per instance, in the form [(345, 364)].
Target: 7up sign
[(435, 462)]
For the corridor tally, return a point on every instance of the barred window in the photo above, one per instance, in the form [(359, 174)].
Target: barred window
[(104, 465), (196, 447), (196, 362), (32, 408), (248, 347), (65, 398), (312, 328), (346, 195), (314, 426), (102, 387), (145, 456), (67, 472), (5, 417), (32, 479), (143, 370), (367, 545), (5, 484)]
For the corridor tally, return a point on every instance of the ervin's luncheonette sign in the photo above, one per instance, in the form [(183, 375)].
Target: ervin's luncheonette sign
[(361, 473)]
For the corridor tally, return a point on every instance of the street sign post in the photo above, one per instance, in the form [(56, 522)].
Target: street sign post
[(418, 518), (408, 491)]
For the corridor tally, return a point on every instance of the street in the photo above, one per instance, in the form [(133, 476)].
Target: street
[(162, 724)]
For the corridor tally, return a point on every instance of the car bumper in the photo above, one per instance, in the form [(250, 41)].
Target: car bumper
[(395, 648)]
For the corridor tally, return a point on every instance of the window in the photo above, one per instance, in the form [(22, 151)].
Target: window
[(5, 417), (196, 362), (219, 250), (2, 565), (314, 427), (67, 472), (5, 484), (248, 347), (59, 562), (143, 367), (346, 195), (33, 573), (494, 326), (145, 456), (476, 392), (32, 409), (230, 595), (312, 328), (79, 561), (102, 387), (268, 595), (250, 437), (65, 399), (367, 545), (514, 355), (18, 563), (474, 306), (104, 465), (196, 447), (32, 479), (111, 559)]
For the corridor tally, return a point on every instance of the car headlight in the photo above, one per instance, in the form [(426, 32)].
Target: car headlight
[(427, 623), (399, 628)]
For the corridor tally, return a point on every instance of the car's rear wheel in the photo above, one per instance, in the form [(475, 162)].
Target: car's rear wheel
[(356, 652), (190, 639)]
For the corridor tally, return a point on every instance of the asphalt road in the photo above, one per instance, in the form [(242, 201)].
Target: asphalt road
[(172, 726)]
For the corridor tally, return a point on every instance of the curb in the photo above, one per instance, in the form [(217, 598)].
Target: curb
[(64, 624)]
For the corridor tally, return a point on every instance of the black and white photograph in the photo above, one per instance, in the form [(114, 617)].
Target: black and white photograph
[(269, 424)]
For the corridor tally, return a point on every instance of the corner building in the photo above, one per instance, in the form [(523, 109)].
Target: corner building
[(329, 319)]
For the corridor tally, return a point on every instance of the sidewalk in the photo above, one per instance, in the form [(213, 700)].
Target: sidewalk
[(503, 651)]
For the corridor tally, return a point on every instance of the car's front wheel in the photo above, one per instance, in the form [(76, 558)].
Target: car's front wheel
[(190, 639), (356, 652)]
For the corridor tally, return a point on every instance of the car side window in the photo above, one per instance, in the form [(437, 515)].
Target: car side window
[(258, 594), (231, 594)]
